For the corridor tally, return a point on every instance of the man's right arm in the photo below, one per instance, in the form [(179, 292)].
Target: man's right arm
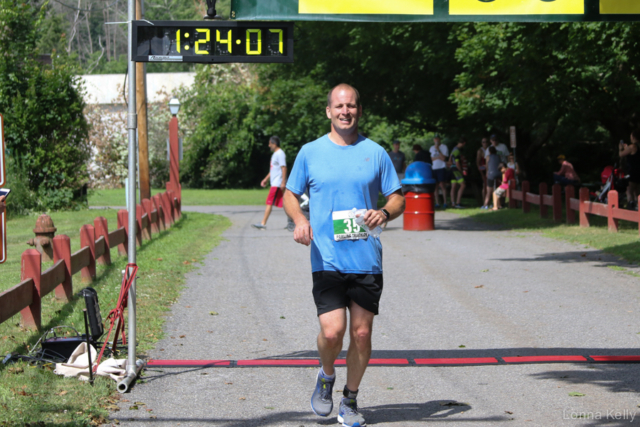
[(303, 233), (263, 183)]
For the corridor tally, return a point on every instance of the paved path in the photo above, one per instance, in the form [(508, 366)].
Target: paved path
[(465, 290)]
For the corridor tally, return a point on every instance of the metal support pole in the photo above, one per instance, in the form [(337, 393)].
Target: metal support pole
[(132, 121)]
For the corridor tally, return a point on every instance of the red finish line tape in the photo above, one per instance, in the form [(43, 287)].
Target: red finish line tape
[(279, 362), (450, 361), (616, 358), (458, 361), (542, 359), (188, 363)]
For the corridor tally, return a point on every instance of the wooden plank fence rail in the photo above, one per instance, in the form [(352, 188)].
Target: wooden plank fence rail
[(610, 210), (153, 216), (541, 199), (582, 205)]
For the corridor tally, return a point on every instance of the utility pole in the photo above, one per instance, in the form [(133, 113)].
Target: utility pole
[(141, 108)]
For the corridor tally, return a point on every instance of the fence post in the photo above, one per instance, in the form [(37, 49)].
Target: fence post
[(32, 269), (178, 208), (612, 199), (512, 202), (542, 190), (102, 229), (172, 210), (584, 197), (569, 192), (62, 251), (148, 208), (123, 222), (166, 207), (142, 232), (526, 207), (157, 201), (88, 238), (556, 194)]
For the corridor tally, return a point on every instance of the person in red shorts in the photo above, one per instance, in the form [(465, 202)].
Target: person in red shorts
[(278, 177)]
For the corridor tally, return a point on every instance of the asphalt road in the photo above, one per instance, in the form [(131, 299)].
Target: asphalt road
[(464, 290)]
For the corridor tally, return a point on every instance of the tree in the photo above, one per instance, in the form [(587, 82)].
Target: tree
[(45, 130), (560, 84)]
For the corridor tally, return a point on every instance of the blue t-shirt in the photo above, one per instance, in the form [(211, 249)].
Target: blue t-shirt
[(340, 178)]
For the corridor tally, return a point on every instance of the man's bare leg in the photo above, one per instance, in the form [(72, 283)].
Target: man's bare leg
[(267, 212), (460, 191), (333, 325), (454, 187), (359, 353), (443, 186)]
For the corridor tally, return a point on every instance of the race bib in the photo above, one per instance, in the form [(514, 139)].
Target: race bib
[(345, 227)]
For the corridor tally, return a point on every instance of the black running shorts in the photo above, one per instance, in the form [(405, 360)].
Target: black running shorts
[(333, 290)]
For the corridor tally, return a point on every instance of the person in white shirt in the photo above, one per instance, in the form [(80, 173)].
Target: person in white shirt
[(278, 178), (502, 149), (439, 155)]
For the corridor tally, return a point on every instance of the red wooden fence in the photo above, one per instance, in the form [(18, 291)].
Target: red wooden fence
[(542, 199), (582, 205), (96, 241)]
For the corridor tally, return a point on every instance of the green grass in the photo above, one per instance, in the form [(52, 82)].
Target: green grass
[(625, 243), (190, 197), (36, 396)]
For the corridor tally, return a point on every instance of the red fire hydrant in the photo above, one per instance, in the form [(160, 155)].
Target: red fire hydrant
[(43, 241)]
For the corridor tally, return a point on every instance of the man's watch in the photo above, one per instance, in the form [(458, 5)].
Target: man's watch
[(385, 212)]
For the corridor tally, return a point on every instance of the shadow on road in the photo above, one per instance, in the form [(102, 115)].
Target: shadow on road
[(404, 413), (588, 255), (464, 353)]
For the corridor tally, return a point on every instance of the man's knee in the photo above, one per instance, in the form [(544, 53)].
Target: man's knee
[(332, 336), (361, 334)]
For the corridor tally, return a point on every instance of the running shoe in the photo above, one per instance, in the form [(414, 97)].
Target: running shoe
[(485, 207), (259, 226), (348, 414), (458, 207), (437, 206), (444, 206), (322, 399)]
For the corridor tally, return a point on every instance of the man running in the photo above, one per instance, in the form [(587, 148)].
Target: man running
[(278, 178), (342, 171)]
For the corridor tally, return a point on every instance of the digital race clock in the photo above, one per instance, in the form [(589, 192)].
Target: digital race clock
[(212, 41)]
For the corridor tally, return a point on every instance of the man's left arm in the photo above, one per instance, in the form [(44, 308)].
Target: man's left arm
[(283, 185), (395, 207)]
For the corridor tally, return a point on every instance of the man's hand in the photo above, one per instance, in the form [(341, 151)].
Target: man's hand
[(283, 186), (373, 218), (263, 183), (303, 233)]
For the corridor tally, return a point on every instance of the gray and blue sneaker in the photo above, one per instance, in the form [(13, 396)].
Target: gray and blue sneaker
[(348, 414), (322, 399)]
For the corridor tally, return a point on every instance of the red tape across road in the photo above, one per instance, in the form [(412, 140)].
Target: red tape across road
[(450, 361)]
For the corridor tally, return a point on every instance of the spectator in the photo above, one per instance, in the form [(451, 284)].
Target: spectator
[(481, 163), (512, 164), (277, 176), (439, 154), (456, 170), (420, 154), (566, 175), (502, 149), (499, 193), (493, 174), (398, 159), (630, 151)]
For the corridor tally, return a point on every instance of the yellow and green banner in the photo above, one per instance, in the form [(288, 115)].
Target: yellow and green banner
[(437, 10)]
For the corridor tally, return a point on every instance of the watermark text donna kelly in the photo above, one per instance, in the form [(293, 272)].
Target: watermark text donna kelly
[(610, 414)]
